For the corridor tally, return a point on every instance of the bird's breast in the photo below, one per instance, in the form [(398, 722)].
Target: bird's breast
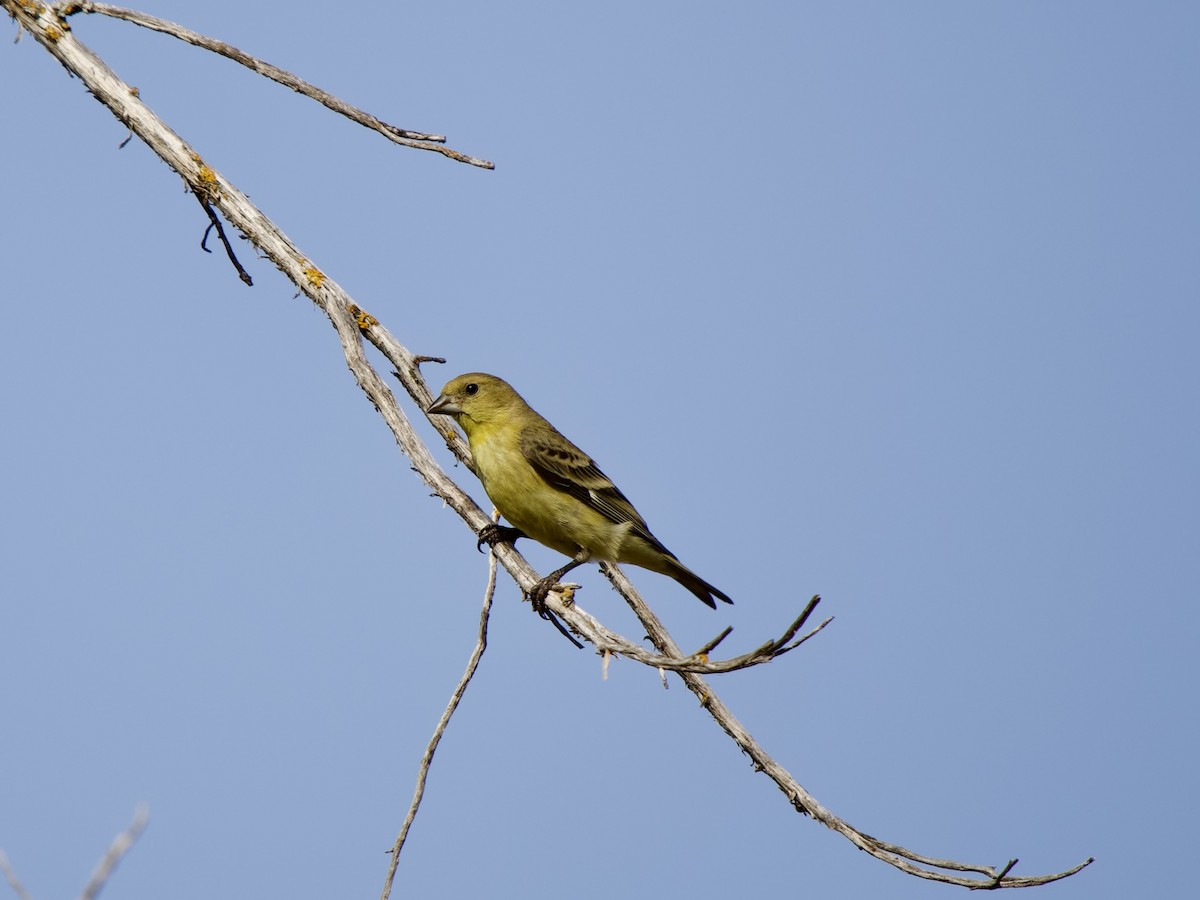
[(546, 514)]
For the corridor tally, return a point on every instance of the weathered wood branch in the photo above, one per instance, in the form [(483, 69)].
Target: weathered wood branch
[(116, 851), (49, 27), (427, 758), (403, 136)]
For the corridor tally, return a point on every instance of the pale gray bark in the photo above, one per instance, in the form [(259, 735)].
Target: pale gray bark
[(49, 26)]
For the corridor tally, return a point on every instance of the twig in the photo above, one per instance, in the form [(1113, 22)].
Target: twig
[(999, 879), (608, 641), (427, 759), (415, 139), (216, 223), (117, 849), (11, 877), (712, 645)]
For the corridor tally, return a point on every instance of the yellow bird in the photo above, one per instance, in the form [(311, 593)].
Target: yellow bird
[(550, 490)]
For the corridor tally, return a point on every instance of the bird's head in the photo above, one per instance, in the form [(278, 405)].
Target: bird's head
[(476, 399)]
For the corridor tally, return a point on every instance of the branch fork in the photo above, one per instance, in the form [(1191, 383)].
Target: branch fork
[(48, 25)]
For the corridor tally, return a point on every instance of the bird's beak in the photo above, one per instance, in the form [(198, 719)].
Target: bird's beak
[(443, 406)]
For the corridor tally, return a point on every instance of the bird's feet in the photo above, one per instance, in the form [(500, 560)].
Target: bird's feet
[(537, 594), (493, 534), (537, 597)]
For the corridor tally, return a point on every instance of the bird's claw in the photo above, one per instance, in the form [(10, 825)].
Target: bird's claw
[(537, 595), (493, 534), (541, 590)]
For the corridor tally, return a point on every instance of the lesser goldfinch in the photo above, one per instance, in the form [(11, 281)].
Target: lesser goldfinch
[(550, 490)]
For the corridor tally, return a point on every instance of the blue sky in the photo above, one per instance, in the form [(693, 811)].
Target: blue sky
[(896, 303)]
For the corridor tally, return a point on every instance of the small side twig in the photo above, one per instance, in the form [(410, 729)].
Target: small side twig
[(415, 139), (998, 881), (427, 759), (712, 645), (605, 640), (121, 845), (11, 877), (216, 223)]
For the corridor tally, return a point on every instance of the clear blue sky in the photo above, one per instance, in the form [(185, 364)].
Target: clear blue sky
[(892, 302)]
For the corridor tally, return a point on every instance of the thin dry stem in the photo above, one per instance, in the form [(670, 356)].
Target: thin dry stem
[(427, 759), (11, 877), (415, 139), (121, 845)]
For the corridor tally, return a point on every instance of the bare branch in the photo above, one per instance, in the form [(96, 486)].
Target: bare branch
[(607, 641), (800, 798), (120, 845), (415, 139), (349, 320), (427, 759), (117, 849), (11, 877)]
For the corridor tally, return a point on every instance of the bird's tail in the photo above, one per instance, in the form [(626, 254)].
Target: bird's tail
[(694, 583)]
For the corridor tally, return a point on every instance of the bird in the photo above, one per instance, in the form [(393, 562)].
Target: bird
[(550, 490)]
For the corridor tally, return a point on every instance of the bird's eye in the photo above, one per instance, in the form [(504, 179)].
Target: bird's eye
[(471, 389)]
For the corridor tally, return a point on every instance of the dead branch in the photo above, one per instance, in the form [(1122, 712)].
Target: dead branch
[(610, 643), (427, 758), (51, 30), (11, 877), (903, 859), (121, 845), (415, 139)]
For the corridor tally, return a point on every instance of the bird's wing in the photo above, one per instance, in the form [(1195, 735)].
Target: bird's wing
[(567, 468)]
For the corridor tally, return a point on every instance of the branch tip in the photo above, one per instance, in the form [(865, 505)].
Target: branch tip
[(120, 846), (11, 877), (712, 645), (415, 139), (489, 593)]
